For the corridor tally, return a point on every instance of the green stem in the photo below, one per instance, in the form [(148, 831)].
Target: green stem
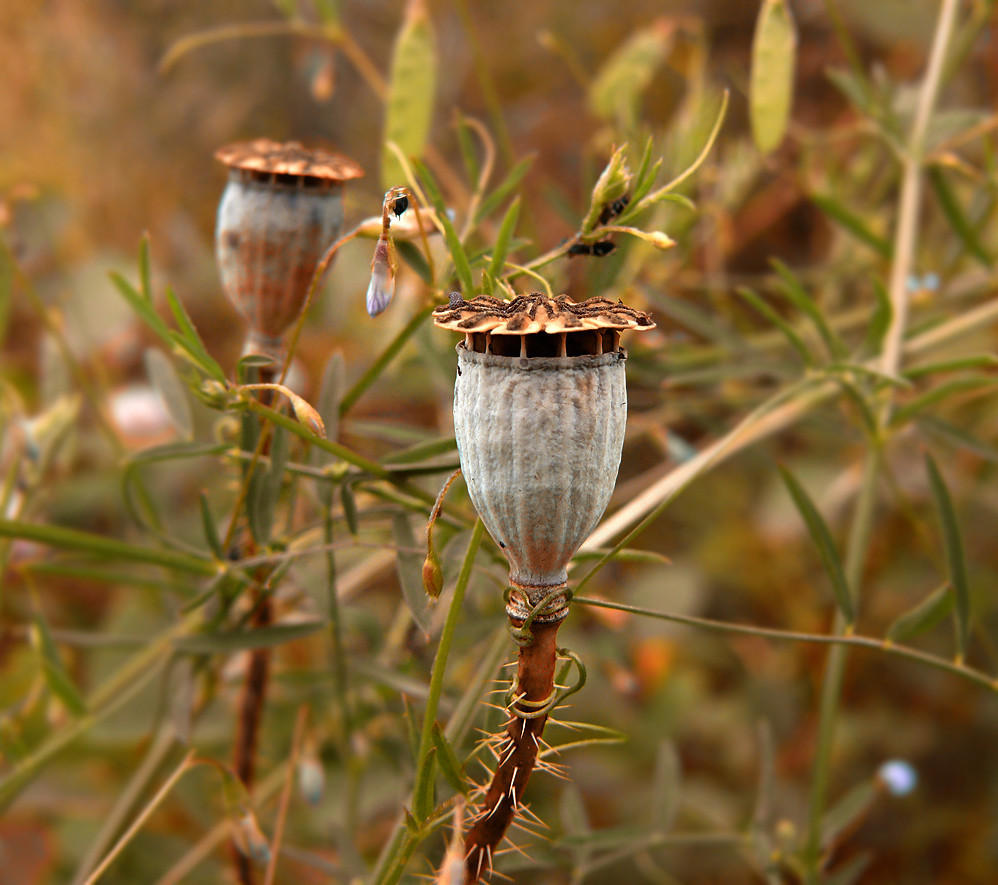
[(905, 244), (831, 688), (403, 842), (379, 365), (849, 641)]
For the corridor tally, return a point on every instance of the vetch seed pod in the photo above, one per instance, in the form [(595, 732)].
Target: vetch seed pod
[(281, 210), (540, 406)]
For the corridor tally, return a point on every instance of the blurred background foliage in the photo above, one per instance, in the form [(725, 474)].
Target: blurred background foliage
[(101, 140)]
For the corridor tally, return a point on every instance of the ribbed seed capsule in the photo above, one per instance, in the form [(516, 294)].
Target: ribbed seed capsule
[(540, 406), (281, 210)]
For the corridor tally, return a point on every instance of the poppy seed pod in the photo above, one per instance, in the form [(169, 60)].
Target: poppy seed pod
[(281, 210), (540, 406)]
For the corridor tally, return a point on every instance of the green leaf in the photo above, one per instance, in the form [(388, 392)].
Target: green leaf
[(210, 528), (802, 300), (330, 397), (422, 801), (774, 49), (412, 255), (924, 616), (957, 218), (468, 155), (512, 179), (616, 90), (409, 560), (189, 340), (241, 640), (349, 502), (460, 258), (56, 677), (501, 247), (822, 538), (847, 811), (411, 90), (940, 393), (880, 322), (955, 560), (644, 178), (172, 392), (959, 364), (853, 224), (378, 367), (104, 547), (665, 787), (421, 452), (450, 766), (145, 268), (789, 332), (625, 554), (145, 310)]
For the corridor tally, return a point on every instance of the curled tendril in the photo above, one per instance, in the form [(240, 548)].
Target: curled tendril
[(557, 696)]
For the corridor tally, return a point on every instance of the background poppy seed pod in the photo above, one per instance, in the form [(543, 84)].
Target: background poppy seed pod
[(540, 405), (281, 210)]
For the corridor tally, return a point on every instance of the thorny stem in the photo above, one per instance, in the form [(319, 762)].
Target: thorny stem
[(518, 750), (905, 241)]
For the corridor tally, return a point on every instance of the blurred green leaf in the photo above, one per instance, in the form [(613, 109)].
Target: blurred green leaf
[(802, 300), (467, 145), (462, 268), (504, 189), (770, 313), (850, 872), (188, 339), (409, 563), (615, 93), (847, 812), (167, 383), (210, 528), (853, 223), (412, 255), (939, 394), (666, 783), (501, 246), (412, 87), (56, 678), (102, 546), (822, 538), (955, 559), (421, 452), (450, 766), (330, 397), (242, 640), (924, 616), (962, 226), (958, 364), (774, 50), (880, 321), (349, 501)]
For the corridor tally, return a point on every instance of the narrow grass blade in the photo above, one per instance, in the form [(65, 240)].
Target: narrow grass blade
[(956, 563), (56, 678), (665, 787), (165, 380), (822, 538), (504, 189), (462, 268), (410, 570)]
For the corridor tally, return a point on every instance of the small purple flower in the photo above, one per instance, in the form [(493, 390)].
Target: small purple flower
[(382, 286)]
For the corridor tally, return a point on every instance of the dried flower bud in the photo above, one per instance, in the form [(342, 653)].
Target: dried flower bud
[(383, 269), (280, 211), (433, 575)]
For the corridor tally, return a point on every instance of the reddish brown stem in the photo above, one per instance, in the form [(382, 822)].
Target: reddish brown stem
[(517, 752)]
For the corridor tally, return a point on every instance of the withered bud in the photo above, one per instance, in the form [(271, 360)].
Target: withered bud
[(383, 269)]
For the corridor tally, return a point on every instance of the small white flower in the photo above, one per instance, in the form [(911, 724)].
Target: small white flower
[(898, 777)]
